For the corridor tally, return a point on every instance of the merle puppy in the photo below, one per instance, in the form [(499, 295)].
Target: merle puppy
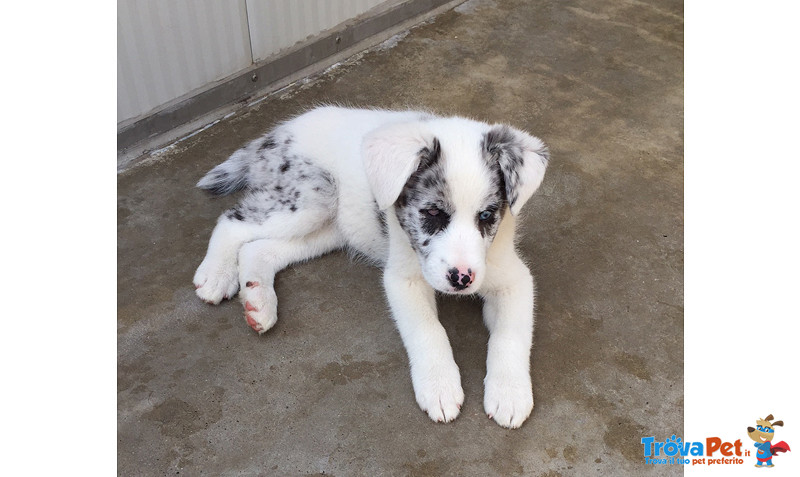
[(432, 200)]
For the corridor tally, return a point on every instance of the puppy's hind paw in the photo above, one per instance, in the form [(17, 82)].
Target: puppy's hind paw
[(215, 283), (260, 306)]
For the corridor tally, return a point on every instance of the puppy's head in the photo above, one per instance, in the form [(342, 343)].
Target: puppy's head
[(450, 183)]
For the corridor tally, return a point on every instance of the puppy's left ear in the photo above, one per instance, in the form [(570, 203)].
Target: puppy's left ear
[(522, 159)]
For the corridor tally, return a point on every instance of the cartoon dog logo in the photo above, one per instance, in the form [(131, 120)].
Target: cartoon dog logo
[(763, 434)]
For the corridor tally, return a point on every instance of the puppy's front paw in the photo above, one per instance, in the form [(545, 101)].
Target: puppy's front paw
[(260, 306), (214, 282), (439, 392), (508, 400)]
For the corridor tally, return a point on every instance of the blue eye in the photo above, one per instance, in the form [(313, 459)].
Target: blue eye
[(760, 428), (769, 430), (485, 215)]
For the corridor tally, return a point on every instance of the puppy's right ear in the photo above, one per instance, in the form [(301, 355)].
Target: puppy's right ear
[(391, 154)]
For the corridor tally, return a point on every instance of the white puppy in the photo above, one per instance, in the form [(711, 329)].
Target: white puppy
[(433, 200)]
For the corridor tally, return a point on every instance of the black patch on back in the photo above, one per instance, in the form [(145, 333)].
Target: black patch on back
[(234, 214), (270, 192), (269, 143)]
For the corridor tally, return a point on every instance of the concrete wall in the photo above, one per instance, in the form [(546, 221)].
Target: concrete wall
[(166, 50)]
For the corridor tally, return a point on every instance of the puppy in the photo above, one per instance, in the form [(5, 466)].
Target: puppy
[(432, 200)]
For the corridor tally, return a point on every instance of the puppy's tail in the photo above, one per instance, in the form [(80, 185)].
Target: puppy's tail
[(228, 177)]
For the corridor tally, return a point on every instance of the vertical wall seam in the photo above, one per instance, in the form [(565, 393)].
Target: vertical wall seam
[(249, 31)]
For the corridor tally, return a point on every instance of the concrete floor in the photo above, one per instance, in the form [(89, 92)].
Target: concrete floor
[(327, 391)]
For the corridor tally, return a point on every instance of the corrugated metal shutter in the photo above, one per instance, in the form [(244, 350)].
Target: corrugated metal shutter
[(278, 24), (166, 49)]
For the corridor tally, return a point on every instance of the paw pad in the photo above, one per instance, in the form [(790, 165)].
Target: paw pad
[(253, 323)]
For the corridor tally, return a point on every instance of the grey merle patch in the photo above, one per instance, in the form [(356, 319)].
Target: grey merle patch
[(269, 143), (488, 226), (422, 207), (381, 215), (424, 210), (277, 182), (504, 151)]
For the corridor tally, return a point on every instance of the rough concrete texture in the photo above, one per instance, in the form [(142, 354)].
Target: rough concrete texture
[(327, 391)]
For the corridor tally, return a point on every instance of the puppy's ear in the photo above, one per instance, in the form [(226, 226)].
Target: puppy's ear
[(777, 423), (522, 158), (391, 154)]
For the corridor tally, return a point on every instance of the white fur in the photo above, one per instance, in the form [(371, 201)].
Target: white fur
[(390, 157), (371, 154)]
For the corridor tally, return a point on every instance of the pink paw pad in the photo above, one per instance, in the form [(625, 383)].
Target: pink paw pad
[(249, 307), (253, 323), (251, 284)]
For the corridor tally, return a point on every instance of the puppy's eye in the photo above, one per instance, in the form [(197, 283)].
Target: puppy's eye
[(485, 215)]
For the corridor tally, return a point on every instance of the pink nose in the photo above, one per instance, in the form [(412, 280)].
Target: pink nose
[(460, 278)]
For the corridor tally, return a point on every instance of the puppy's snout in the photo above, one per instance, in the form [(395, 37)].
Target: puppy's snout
[(751, 429), (460, 278)]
